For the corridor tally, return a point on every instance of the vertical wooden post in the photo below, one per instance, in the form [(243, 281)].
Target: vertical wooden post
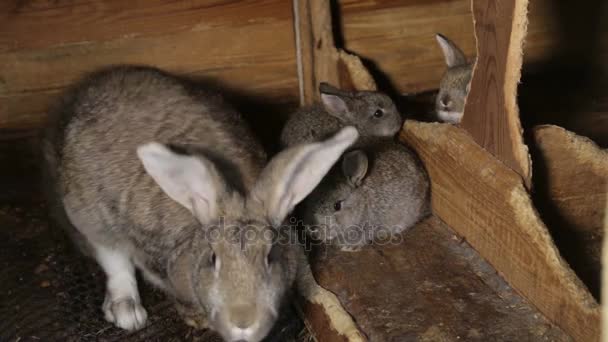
[(491, 114), (318, 59)]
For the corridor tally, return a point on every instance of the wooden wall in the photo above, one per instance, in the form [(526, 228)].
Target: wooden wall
[(398, 35), (46, 45)]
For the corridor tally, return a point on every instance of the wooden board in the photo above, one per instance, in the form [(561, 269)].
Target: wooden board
[(428, 285), (487, 204), (397, 36), (46, 45), (571, 190), (318, 59), (491, 114)]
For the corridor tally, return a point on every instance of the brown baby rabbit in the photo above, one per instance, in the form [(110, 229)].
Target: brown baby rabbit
[(455, 83), (374, 193), (158, 175), (372, 113)]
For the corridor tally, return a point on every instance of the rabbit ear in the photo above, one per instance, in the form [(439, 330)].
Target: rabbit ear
[(452, 54), (295, 172), (326, 88), (334, 100), (190, 181), (354, 167), (334, 105)]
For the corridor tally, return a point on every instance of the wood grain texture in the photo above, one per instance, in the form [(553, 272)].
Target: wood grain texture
[(318, 59), (491, 114), (35, 24), (487, 204), (398, 36), (429, 285), (206, 38), (571, 190)]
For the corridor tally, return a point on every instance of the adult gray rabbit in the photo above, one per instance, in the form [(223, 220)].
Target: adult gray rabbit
[(156, 174), (374, 193), (455, 83), (372, 113)]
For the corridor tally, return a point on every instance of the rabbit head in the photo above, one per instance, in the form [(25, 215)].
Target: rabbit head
[(339, 205), (455, 83), (239, 266), (373, 113)]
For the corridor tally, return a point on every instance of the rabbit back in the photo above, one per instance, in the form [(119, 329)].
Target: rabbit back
[(97, 131)]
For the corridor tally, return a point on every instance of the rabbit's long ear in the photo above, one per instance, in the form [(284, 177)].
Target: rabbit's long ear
[(453, 55), (334, 100), (354, 167), (190, 181), (295, 172)]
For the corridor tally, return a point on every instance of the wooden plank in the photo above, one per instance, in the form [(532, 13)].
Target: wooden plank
[(39, 24), (318, 59), (399, 37), (571, 190), (220, 49), (487, 204), (491, 114), (428, 285)]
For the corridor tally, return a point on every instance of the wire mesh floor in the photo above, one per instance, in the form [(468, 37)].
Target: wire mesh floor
[(50, 292)]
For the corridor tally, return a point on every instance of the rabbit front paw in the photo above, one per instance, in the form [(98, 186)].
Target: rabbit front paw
[(193, 317), (125, 313)]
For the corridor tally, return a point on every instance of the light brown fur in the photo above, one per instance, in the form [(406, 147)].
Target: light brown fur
[(147, 167)]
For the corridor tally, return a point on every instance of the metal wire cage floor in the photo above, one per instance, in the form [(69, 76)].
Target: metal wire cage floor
[(49, 292)]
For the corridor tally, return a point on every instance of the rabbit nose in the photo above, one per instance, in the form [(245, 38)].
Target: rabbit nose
[(445, 101), (243, 316)]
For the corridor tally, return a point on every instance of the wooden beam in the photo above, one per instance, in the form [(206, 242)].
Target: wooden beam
[(318, 59), (46, 46), (487, 203), (399, 37), (571, 189), (491, 115)]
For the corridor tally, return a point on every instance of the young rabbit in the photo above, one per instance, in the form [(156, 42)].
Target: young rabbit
[(160, 176), (374, 194), (455, 83), (372, 113)]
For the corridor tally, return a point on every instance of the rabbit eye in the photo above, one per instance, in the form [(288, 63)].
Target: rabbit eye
[(213, 260), (378, 113), (271, 257), (338, 205)]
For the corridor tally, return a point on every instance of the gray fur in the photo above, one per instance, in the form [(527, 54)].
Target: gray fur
[(319, 121), (455, 83), (392, 196), (117, 119)]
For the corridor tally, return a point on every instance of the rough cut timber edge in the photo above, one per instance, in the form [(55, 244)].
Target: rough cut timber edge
[(571, 185), (318, 58), (319, 61), (491, 112), (487, 204), (568, 156)]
